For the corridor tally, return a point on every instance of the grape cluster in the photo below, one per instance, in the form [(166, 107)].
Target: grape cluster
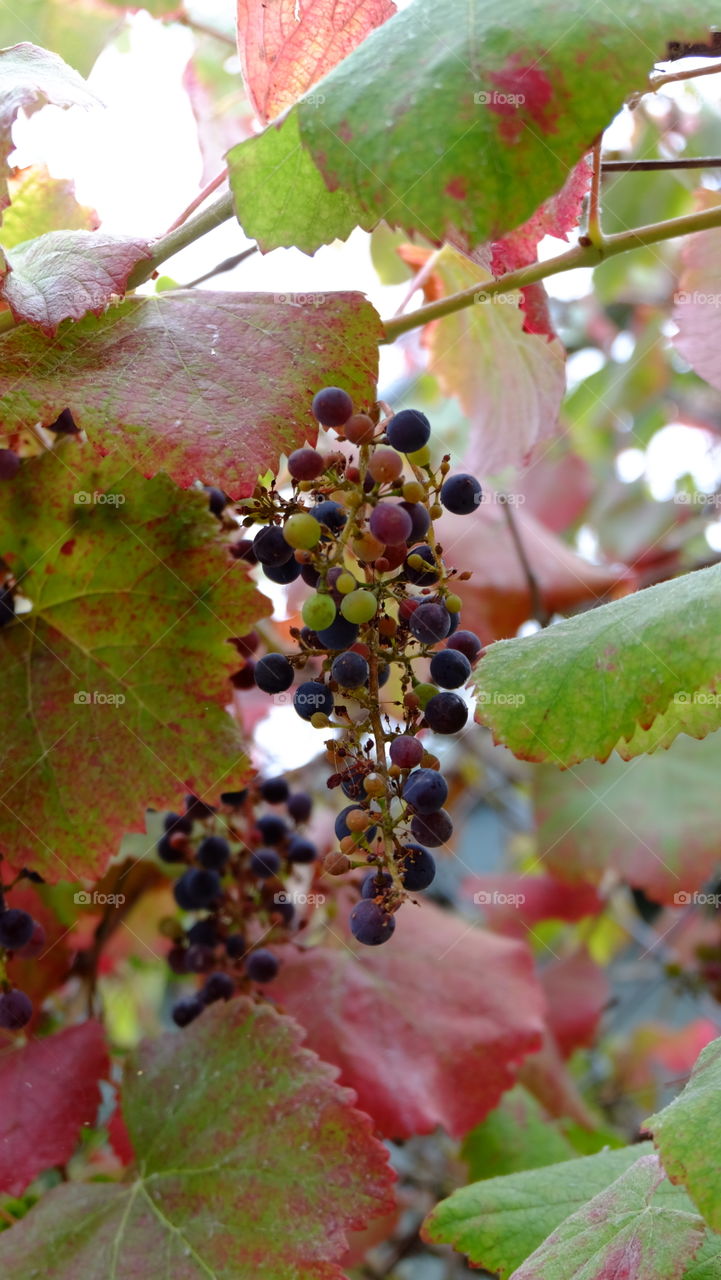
[(359, 532), (236, 860), (20, 935)]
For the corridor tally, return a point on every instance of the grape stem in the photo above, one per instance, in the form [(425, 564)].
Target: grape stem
[(381, 768)]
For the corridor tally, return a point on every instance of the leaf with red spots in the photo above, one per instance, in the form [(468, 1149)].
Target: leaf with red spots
[(630, 675), (456, 121), (66, 274), (49, 1090), (116, 679), (456, 1039), (252, 1161), (205, 386), (577, 991), (285, 47)]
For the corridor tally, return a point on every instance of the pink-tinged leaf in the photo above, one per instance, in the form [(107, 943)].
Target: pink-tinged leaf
[(416, 1027), (49, 1090), (556, 490), (577, 991), (39, 203), (252, 1162), (546, 1076), (697, 310), (496, 600), (29, 78), (513, 903), (63, 275), (656, 1056), (202, 385), (286, 47), (555, 217), (621, 1234)]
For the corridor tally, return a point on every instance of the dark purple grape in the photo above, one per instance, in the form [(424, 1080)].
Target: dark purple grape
[(246, 644), (234, 799), (370, 924), (341, 830), (419, 868), (305, 464), (352, 778), (406, 752), (16, 928), (7, 606), (371, 888), (455, 624), (461, 494), (433, 829), (331, 514), (422, 577), (245, 678), (166, 852), (466, 642), (299, 806), (37, 943), (310, 576), (244, 550), (273, 673), (261, 966), (204, 932), (425, 790), (198, 809), (350, 670), (213, 852), (9, 464), (450, 668), (390, 524), (272, 828), (217, 500), (283, 574), (186, 1010), (177, 822), (176, 959), (265, 863), (217, 986), (302, 850), (408, 431), (198, 958), (446, 713), (235, 945), (198, 887), (16, 1010), (310, 697), (283, 907), (271, 547), (420, 519), (275, 790), (430, 623), (332, 407), (341, 634)]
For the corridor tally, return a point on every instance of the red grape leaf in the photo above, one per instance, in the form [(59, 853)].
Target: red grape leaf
[(66, 274), (116, 680), (202, 385), (698, 297), (496, 600), (252, 1161), (512, 903), (556, 490), (555, 217), (39, 203), (284, 47), (49, 1090), (577, 991), (547, 1077), (29, 78), (416, 1027)]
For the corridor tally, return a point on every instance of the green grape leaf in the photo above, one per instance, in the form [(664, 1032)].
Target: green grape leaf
[(653, 820), (77, 32), (202, 385), (251, 1162), (630, 675), (116, 679), (517, 1135), (66, 274), (30, 78), (457, 121), (686, 1134), (39, 203)]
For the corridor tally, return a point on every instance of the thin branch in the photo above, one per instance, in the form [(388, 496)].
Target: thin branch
[(685, 162), (208, 190), (594, 234), (538, 608), (657, 80), (171, 243), (226, 265), (204, 30)]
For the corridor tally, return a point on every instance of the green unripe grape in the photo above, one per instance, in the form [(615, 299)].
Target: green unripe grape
[(345, 584), (302, 531), (421, 457), (424, 693), (318, 612), (454, 604), (359, 606)]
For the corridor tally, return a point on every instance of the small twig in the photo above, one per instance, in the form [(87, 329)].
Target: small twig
[(594, 235), (203, 29), (540, 613), (660, 78), (226, 265), (208, 190), (685, 162)]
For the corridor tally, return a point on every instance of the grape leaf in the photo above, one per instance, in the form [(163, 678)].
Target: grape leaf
[(631, 675), (39, 203), (497, 1223), (698, 297), (77, 31), (516, 1136), (686, 1134), (577, 991), (203, 385), (115, 681), (29, 78), (251, 1161), (49, 1090), (622, 1231), (546, 1076), (652, 821), (513, 903), (458, 121), (66, 274), (456, 1038), (284, 48)]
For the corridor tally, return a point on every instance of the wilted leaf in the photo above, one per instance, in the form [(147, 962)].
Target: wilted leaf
[(251, 1161), (38, 204), (202, 385), (686, 1134)]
